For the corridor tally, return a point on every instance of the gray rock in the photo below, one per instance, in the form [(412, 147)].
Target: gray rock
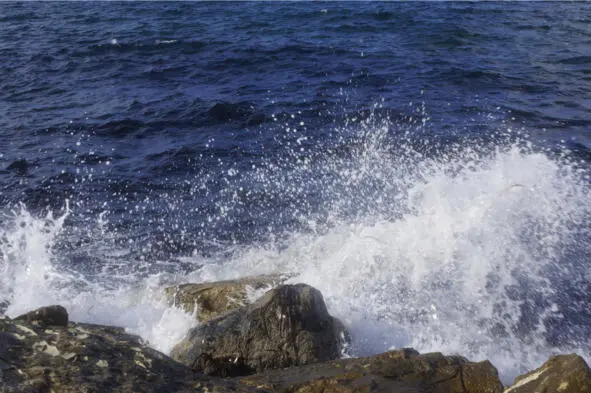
[(50, 315), (288, 326), (215, 298), (561, 374)]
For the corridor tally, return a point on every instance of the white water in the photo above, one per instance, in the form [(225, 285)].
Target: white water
[(29, 279), (433, 276)]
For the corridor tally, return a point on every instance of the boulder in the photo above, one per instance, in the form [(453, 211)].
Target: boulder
[(215, 298), (561, 374), (398, 371), (50, 315), (288, 326), (90, 358)]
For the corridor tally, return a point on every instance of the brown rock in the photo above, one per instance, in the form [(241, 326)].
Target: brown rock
[(50, 315), (215, 298), (560, 374), (288, 326), (481, 377), (397, 371)]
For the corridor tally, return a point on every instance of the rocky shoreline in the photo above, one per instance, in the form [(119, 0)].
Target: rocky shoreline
[(282, 341)]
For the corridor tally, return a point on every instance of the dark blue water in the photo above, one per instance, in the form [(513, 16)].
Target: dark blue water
[(250, 136)]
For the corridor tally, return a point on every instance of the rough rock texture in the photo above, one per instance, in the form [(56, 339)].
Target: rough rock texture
[(89, 358), (286, 327), (50, 315), (215, 298), (41, 353), (394, 372), (560, 374)]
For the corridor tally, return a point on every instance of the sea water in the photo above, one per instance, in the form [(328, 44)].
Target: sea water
[(425, 166)]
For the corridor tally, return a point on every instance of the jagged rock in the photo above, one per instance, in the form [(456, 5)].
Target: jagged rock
[(50, 315), (561, 374), (90, 358), (215, 298), (397, 371), (77, 357), (288, 326)]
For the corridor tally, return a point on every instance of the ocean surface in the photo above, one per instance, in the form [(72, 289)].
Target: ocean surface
[(425, 165)]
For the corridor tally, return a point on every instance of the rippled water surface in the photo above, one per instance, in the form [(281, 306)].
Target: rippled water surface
[(425, 165)]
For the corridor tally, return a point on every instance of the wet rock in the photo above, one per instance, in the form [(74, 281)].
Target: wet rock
[(215, 298), (402, 370), (288, 326), (50, 315), (90, 358), (561, 374), (481, 377)]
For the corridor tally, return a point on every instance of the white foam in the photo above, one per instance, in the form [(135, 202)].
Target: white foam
[(428, 264), (29, 280), (164, 42), (437, 278), (26, 272)]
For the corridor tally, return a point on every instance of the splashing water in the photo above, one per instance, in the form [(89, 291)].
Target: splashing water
[(478, 250), (475, 250), (462, 273), (26, 252), (30, 278)]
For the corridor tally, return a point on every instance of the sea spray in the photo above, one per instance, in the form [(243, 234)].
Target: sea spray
[(469, 248), (26, 269), (32, 276), (476, 250)]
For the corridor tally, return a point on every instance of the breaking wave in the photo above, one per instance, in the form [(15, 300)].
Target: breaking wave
[(479, 248)]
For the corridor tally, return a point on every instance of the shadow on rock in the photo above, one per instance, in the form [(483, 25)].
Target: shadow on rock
[(288, 326)]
